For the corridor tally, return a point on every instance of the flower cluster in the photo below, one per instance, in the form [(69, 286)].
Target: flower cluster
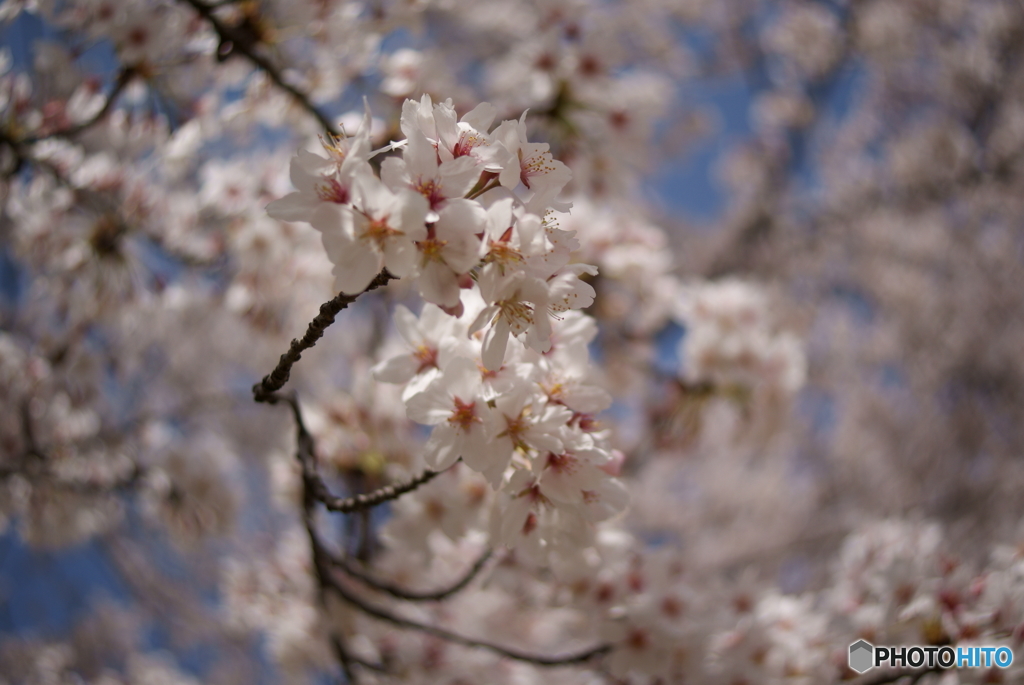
[(143, 284), (729, 339), (466, 212), (446, 214)]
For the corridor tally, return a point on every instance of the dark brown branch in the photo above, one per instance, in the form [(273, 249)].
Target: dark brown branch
[(124, 77), (315, 485), (33, 465), (372, 499), (321, 561), (127, 482), (18, 144), (314, 490), (350, 569), (246, 43), (345, 659), (93, 200), (31, 446), (275, 380)]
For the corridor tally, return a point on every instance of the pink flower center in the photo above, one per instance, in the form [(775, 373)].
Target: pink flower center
[(331, 190), (426, 356), (464, 414), (432, 191)]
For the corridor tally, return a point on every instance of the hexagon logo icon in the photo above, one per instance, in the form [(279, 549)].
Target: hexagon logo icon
[(862, 655)]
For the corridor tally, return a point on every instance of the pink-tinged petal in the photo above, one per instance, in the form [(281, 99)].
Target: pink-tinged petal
[(459, 175), (458, 224), (511, 402), (434, 320), (499, 217), (462, 377), (420, 157), (495, 344), (399, 369), (534, 290), (441, 450), (408, 326), (483, 318), (461, 217), (585, 399), (614, 466), (514, 520), (606, 500), (412, 212), (359, 147), (538, 337), (563, 486), (447, 129), (400, 257), (354, 167), (475, 442), (292, 207), (432, 406), (355, 275), (494, 474), (509, 176), (507, 133), (543, 441), (395, 174), (306, 169), (332, 219), (420, 382), (490, 459), (438, 284), (462, 253), (418, 117), (336, 235), (567, 291), (481, 117)]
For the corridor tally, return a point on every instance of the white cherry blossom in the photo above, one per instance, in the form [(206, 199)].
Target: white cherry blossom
[(452, 404), (380, 230)]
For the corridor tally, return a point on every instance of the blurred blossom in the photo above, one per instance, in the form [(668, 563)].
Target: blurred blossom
[(576, 434)]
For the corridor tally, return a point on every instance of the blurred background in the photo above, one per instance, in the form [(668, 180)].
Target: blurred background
[(808, 218)]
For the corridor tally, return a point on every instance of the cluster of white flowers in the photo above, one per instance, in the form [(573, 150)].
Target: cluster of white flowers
[(730, 339), (277, 595), (144, 286), (467, 214)]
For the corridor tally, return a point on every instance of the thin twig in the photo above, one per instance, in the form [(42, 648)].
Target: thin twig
[(350, 569), (245, 43), (371, 499), (93, 200), (17, 144), (124, 77), (322, 562), (314, 490), (345, 659), (314, 483), (276, 379)]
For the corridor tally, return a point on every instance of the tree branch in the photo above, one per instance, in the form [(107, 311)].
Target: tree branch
[(345, 658), (246, 43), (350, 569), (275, 380), (124, 77), (314, 490), (372, 499), (321, 561), (315, 485)]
